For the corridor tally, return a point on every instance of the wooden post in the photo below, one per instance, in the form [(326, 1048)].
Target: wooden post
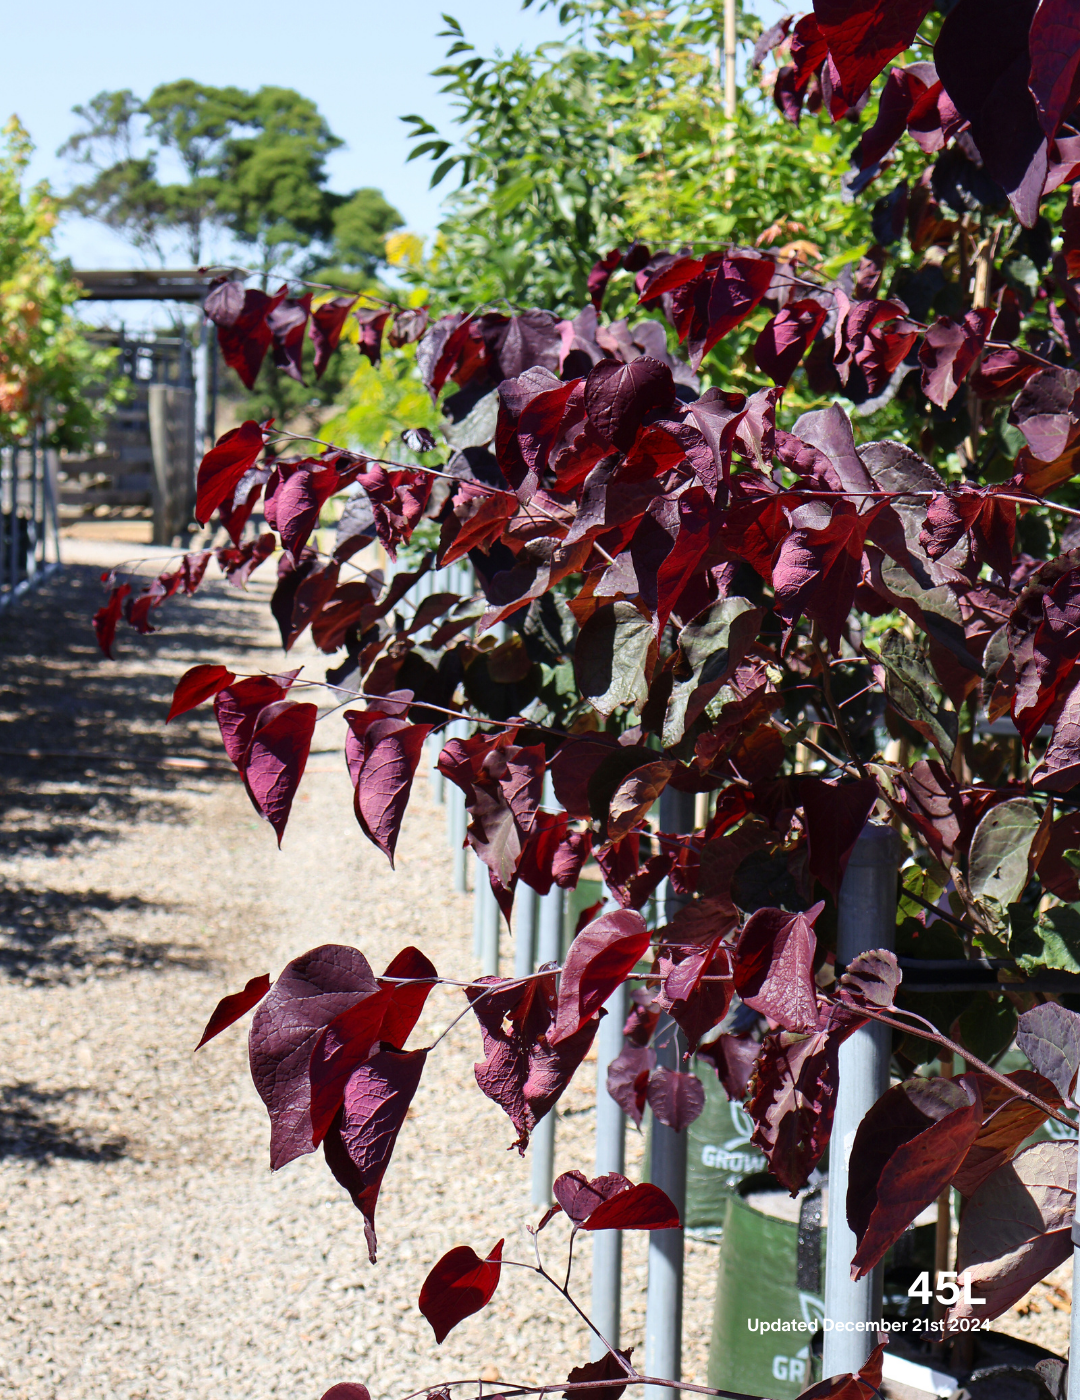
[(172, 437)]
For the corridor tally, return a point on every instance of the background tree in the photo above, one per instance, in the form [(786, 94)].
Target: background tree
[(49, 374), (253, 167)]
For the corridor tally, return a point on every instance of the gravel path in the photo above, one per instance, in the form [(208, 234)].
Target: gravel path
[(145, 1248)]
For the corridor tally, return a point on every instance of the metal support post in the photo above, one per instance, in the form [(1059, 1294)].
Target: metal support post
[(866, 919), (438, 782), (667, 1169), (488, 918), (456, 818), (549, 934), (1073, 1374), (525, 930), (610, 1157)]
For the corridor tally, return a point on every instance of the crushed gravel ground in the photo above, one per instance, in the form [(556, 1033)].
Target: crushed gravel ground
[(145, 1247)]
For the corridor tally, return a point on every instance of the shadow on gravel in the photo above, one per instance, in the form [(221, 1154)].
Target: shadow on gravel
[(53, 936), (28, 1132), (97, 727)]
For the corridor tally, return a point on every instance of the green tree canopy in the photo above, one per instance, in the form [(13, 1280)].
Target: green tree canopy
[(249, 164)]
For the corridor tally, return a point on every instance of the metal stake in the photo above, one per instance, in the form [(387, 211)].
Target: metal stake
[(549, 932), (866, 919), (489, 919), (610, 1157), (524, 930), (667, 1169)]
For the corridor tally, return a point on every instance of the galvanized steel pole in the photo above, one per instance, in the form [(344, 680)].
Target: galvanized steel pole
[(549, 935), (667, 1169), (610, 1157), (525, 910), (866, 919)]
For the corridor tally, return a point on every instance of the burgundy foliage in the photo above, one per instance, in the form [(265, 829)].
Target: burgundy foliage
[(460, 1284)]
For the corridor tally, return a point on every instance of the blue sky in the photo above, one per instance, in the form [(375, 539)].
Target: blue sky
[(366, 63)]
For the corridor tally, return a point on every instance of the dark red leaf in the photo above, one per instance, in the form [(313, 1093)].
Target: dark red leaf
[(406, 998), (387, 1015), (835, 813), (1016, 1229), (1055, 872), (900, 92), (338, 1052), (871, 339), (1055, 650), (1007, 1121), (733, 1057), (794, 1094), (579, 1197), (691, 991), (675, 1098), (243, 333), (231, 1008), (865, 1386), (299, 499), (347, 1390), (949, 350), (716, 300), (524, 1071), (871, 979), (597, 961), (983, 60), (1054, 80), (277, 757), (643, 1207), (237, 709), (287, 321), (239, 564), (628, 1079), (906, 1151), (774, 971), (601, 275), (327, 323), (221, 469), (361, 1141), (371, 329), (309, 994), (988, 521), (863, 35), (1002, 371), (459, 1285), (786, 338), (383, 758), (1047, 412), (617, 397), (608, 1368), (105, 619), (816, 572), (197, 685), (235, 513)]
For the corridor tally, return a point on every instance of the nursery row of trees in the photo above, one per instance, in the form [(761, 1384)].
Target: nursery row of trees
[(782, 512)]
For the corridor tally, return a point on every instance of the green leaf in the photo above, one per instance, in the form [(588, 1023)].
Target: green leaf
[(713, 644), (988, 1026), (613, 654), (1050, 940), (908, 682), (998, 860)]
